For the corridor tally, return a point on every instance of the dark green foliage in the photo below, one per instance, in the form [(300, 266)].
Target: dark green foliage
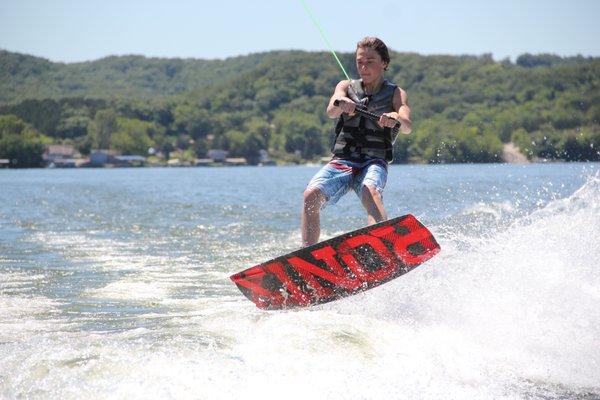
[(103, 128), (572, 145), (19, 143), (542, 60), (464, 107)]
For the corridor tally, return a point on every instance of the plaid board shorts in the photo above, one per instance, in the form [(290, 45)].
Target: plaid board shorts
[(339, 176)]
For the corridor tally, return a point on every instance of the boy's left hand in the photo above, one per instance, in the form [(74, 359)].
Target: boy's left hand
[(387, 120)]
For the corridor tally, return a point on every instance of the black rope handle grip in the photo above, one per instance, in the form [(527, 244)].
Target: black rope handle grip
[(368, 114)]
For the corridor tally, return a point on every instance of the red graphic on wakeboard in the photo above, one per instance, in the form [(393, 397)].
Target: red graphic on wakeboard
[(340, 266)]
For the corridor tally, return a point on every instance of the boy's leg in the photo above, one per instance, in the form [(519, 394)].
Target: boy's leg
[(329, 184), (372, 181), (373, 202), (310, 223)]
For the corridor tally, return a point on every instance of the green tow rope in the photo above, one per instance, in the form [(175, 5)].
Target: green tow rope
[(310, 14)]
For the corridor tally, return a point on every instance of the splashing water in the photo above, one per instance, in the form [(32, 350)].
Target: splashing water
[(129, 298)]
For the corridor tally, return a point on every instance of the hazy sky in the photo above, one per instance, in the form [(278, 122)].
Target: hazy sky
[(79, 30)]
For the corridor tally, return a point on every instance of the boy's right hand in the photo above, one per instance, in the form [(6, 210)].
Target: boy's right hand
[(346, 105)]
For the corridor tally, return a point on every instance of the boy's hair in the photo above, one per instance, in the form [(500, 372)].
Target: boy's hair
[(377, 45)]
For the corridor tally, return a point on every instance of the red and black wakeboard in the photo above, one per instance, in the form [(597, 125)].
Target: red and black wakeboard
[(340, 266)]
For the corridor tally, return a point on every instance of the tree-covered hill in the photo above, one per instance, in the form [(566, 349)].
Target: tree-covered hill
[(464, 107), (136, 77)]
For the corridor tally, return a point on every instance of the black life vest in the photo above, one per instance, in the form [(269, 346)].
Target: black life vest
[(358, 138)]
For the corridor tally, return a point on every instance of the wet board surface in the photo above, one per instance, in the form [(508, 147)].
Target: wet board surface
[(340, 266)]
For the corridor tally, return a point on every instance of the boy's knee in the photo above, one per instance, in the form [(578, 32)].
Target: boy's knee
[(371, 192), (312, 197)]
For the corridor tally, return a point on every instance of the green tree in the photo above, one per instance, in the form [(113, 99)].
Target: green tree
[(20, 143), (132, 136), (253, 143), (11, 125), (103, 127), (192, 120), (233, 141), (302, 133), (73, 127), (200, 148)]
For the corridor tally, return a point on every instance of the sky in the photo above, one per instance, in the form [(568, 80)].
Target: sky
[(83, 30)]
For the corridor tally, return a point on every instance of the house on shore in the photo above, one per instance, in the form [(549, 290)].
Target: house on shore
[(61, 156), (236, 161), (264, 158), (217, 155), (110, 158), (101, 158), (130, 161), (203, 162)]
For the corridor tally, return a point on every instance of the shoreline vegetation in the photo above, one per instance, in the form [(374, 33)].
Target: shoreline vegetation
[(510, 154), (268, 109)]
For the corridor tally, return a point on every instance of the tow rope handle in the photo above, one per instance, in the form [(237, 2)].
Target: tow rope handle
[(372, 116)]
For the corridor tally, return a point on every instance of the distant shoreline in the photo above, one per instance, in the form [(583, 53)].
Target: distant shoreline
[(314, 165)]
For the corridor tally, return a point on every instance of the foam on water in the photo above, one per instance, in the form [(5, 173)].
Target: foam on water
[(508, 310), (516, 316)]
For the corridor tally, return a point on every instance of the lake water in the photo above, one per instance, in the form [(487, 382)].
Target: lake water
[(114, 284)]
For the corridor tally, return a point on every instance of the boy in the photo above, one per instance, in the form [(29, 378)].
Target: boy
[(362, 147)]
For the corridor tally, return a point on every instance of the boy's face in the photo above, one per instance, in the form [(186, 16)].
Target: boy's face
[(369, 64)]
